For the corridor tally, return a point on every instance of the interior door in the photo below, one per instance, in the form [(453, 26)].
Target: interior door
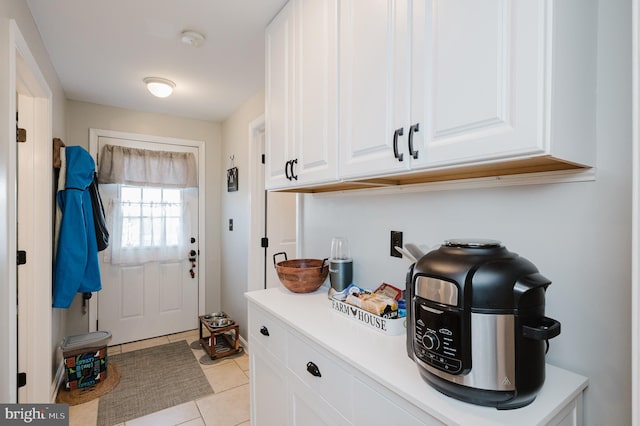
[(277, 221), (281, 229), (155, 298)]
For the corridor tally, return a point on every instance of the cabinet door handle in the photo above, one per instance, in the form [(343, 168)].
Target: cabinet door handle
[(294, 161), (412, 130), (313, 369), (286, 170), (398, 132), (264, 331)]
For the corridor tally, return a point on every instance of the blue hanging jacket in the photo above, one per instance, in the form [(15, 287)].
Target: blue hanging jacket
[(76, 268)]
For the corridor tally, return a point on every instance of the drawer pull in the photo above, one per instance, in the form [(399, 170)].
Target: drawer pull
[(412, 130), (286, 169), (396, 154), (264, 331), (313, 369)]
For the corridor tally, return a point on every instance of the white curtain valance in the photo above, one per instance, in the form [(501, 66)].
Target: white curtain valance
[(143, 167)]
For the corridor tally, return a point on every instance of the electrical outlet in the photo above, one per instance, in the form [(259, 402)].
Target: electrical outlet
[(396, 241), (230, 224)]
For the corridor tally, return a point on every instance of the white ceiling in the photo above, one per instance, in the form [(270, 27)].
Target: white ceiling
[(102, 49)]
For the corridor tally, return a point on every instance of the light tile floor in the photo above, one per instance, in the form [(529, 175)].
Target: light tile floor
[(227, 406)]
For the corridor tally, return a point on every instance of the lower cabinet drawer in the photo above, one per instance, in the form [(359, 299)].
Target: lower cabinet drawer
[(267, 330), (322, 374)]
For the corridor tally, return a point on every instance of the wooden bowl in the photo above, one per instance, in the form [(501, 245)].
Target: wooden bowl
[(301, 275)]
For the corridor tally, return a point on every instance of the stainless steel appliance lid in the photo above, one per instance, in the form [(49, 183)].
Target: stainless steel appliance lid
[(472, 243)]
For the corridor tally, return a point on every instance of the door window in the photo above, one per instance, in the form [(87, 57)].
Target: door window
[(149, 224)]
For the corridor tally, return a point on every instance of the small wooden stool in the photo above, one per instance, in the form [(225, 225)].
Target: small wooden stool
[(232, 343)]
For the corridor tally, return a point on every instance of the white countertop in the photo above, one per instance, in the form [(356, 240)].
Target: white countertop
[(384, 359)]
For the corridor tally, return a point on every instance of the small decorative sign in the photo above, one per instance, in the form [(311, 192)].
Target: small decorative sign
[(393, 327), (232, 179)]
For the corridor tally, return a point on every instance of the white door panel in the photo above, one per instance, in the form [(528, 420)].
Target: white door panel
[(281, 229), (139, 301)]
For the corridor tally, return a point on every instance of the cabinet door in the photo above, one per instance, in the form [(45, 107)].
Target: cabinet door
[(478, 80), (269, 389), (374, 86), (279, 80), (316, 91), (308, 408), (372, 408)]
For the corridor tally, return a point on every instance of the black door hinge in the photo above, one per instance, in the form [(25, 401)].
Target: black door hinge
[(21, 135), (264, 242), (21, 257), (22, 379), (263, 159)]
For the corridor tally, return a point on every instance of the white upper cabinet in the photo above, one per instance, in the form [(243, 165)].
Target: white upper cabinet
[(374, 87), (420, 90), (302, 62), (502, 79), (440, 84), (279, 98)]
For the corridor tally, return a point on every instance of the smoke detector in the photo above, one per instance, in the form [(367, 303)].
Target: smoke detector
[(192, 38)]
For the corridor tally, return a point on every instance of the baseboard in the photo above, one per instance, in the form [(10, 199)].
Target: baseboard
[(57, 381), (244, 344)]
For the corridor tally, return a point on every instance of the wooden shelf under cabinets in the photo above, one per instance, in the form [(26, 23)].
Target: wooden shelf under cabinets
[(503, 168)]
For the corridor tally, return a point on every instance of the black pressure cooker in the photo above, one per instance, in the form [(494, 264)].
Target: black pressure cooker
[(476, 325)]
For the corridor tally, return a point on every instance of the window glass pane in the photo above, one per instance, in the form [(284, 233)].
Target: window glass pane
[(130, 232), (173, 210), (130, 209), (152, 217), (172, 196), (173, 231), (152, 195), (157, 232), (129, 193), (156, 209)]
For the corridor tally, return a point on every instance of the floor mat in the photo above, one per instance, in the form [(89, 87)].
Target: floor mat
[(152, 379)]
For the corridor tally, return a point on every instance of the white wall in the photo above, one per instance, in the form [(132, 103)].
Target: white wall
[(578, 234), (82, 116), (18, 11), (235, 205)]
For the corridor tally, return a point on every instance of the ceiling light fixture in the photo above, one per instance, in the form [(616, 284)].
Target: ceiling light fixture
[(192, 38), (160, 87)]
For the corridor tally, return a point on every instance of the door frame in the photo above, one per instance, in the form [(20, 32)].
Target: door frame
[(32, 328), (256, 205), (94, 134), (635, 262), (257, 200)]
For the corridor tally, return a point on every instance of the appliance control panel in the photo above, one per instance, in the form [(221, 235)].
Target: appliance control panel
[(438, 337)]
